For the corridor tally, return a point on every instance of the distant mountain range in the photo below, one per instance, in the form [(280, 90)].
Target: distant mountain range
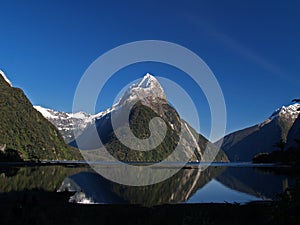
[(24, 132), (283, 124), (67, 122), (148, 100)]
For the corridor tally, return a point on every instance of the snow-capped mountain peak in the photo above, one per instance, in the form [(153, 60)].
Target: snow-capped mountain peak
[(148, 81), (290, 111), (148, 87), (5, 78), (67, 123)]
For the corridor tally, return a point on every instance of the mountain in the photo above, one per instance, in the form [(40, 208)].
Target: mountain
[(244, 144), (25, 131), (146, 100), (294, 133), (67, 123)]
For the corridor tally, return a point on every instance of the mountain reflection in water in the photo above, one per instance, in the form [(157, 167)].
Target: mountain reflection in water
[(217, 183)]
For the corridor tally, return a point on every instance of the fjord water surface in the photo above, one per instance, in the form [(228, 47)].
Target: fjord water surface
[(219, 183)]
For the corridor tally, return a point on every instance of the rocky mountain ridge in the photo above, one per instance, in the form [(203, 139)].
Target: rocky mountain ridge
[(244, 144)]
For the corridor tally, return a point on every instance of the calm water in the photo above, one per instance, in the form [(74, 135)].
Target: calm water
[(230, 182)]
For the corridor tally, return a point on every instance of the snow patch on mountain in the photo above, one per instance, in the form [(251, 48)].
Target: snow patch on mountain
[(5, 78), (148, 87), (288, 112), (47, 113)]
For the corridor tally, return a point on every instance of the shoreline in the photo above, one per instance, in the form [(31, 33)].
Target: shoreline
[(40, 207), (161, 165)]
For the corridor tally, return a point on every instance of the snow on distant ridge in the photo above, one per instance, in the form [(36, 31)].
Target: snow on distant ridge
[(5, 78), (45, 112), (290, 111), (67, 123)]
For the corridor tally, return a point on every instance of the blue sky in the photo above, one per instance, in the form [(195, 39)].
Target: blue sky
[(252, 47)]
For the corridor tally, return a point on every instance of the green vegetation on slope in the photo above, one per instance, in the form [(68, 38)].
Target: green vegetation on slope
[(139, 119), (24, 129)]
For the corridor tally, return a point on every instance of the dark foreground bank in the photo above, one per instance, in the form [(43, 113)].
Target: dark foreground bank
[(40, 207)]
